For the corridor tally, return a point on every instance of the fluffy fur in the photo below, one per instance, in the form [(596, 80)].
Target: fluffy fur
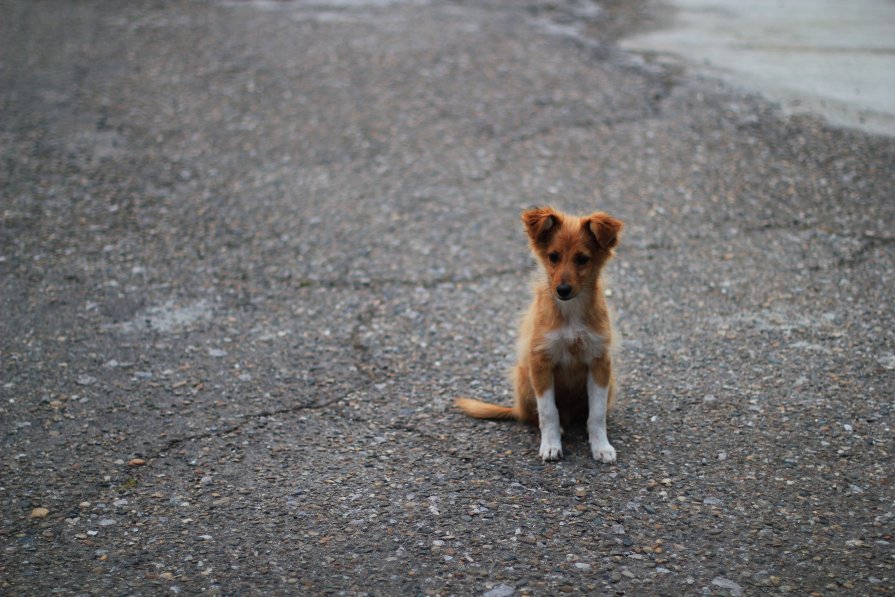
[(564, 368)]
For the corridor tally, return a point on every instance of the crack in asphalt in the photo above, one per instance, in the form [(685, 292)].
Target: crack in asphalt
[(360, 351), (248, 417), (375, 283), (869, 241), (162, 452), (361, 361)]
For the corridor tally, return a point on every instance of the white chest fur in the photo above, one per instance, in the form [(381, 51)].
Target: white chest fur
[(574, 342)]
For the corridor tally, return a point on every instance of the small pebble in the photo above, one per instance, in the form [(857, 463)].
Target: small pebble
[(501, 590), (85, 380), (725, 583)]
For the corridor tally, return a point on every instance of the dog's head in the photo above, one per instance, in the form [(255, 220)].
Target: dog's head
[(572, 250)]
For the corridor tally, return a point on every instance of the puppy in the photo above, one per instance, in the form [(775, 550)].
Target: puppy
[(564, 369)]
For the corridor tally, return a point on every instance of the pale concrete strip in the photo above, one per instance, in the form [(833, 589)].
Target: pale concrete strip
[(832, 58)]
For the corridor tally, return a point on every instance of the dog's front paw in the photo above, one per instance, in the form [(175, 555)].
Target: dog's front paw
[(603, 452), (551, 448)]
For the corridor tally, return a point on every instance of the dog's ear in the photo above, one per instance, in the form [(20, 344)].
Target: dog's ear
[(605, 228), (540, 223)]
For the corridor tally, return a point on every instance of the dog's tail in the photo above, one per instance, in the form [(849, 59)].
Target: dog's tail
[(485, 410)]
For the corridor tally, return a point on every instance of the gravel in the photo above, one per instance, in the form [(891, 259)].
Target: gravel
[(250, 252)]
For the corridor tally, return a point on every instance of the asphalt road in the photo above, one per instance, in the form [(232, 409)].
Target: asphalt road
[(251, 250)]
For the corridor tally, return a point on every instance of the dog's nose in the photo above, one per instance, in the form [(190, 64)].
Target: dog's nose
[(563, 291)]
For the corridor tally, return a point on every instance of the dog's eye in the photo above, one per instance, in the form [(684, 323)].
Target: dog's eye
[(581, 259), (553, 257)]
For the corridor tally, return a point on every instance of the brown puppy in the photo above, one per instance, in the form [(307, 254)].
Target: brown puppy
[(564, 370)]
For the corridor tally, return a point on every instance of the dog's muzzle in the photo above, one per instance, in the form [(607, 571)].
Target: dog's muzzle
[(564, 292)]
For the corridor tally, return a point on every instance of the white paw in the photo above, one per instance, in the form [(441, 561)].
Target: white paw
[(551, 448), (603, 452)]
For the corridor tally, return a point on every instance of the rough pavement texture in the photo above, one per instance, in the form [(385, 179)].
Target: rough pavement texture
[(251, 250)]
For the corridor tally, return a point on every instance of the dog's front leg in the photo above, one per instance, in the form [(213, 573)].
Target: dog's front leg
[(548, 415), (598, 380)]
